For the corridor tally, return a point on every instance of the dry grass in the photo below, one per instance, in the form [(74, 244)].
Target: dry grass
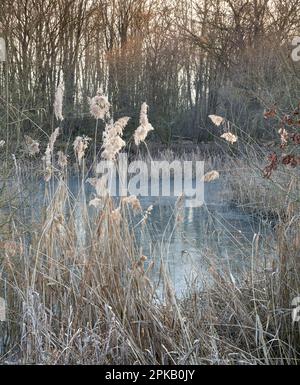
[(87, 297), (86, 301)]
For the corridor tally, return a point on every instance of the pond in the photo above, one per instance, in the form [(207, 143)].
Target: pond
[(189, 242)]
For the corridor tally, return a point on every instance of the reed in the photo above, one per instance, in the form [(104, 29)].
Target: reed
[(88, 297)]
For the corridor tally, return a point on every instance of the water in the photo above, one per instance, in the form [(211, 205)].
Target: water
[(216, 233)]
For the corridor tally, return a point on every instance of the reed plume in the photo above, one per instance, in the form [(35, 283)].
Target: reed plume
[(80, 144), (145, 127), (229, 137), (210, 176), (58, 101), (217, 120), (47, 158), (112, 141), (99, 106)]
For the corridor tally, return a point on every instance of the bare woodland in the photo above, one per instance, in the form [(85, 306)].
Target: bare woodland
[(187, 59)]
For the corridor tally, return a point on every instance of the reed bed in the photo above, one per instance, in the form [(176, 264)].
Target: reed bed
[(89, 298)]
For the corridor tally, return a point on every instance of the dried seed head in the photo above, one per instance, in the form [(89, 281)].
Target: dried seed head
[(96, 202), (47, 158), (32, 146), (145, 127), (231, 138), (284, 136), (112, 141), (53, 138), (80, 144), (210, 176), (99, 106), (146, 214), (133, 202), (217, 120), (62, 159), (58, 101)]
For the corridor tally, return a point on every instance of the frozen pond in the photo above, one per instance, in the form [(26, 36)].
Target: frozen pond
[(187, 242)]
